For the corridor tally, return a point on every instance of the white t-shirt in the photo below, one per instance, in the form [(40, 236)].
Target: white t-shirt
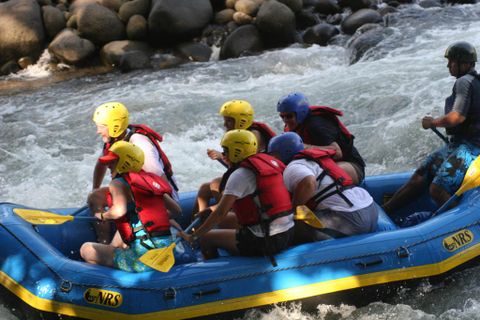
[(241, 183), (152, 163), (297, 170)]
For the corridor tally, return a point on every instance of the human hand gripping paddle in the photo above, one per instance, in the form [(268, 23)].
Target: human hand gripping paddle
[(162, 259), (37, 217)]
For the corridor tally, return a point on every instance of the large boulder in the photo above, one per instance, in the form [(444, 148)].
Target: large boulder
[(243, 41), (195, 51), (111, 4), (327, 7), (294, 5), (355, 4), (137, 28), (53, 20), (365, 38), (99, 24), (126, 55), (173, 20), (276, 23), (320, 34), (69, 48), (78, 4), (134, 7), (21, 30), (249, 7), (359, 18)]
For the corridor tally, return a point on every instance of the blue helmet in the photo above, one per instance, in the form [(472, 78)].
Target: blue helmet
[(286, 145), (295, 102)]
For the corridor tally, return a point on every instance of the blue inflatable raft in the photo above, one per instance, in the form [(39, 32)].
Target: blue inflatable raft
[(40, 266)]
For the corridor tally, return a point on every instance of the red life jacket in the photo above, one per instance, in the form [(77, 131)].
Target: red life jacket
[(266, 132), (341, 179), (154, 138), (148, 190), (271, 200), (323, 111)]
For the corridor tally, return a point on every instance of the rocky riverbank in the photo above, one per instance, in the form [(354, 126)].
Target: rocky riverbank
[(139, 34)]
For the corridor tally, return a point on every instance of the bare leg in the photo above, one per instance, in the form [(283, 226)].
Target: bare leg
[(409, 191), (117, 241), (439, 195), (206, 191), (219, 238), (97, 253), (229, 222)]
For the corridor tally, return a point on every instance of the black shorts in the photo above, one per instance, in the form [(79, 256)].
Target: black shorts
[(249, 244)]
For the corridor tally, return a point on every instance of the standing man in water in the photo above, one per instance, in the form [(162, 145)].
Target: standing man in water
[(320, 128), (443, 171), (112, 123)]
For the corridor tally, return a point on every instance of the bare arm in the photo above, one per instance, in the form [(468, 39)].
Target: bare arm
[(304, 190), (98, 174), (120, 196), (220, 211), (172, 206), (451, 119)]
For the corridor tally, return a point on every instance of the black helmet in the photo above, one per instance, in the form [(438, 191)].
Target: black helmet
[(461, 51)]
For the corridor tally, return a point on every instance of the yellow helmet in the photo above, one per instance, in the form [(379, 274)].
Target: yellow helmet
[(240, 144), (240, 110), (114, 115), (130, 157)]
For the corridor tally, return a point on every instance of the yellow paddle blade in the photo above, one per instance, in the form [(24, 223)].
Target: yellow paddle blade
[(303, 213), (41, 217), (159, 259), (472, 177)]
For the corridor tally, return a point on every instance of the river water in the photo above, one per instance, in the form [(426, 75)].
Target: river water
[(48, 144)]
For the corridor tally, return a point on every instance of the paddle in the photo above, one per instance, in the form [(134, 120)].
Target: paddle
[(44, 217), (162, 259), (223, 163), (306, 215), (470, 180), (439, 134)]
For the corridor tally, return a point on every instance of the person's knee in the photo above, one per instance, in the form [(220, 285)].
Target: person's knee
[(86, 251), (204, 189), (438, 193)]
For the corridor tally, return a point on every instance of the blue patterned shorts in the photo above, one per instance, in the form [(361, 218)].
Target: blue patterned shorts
[(447, 166), (127, 259)]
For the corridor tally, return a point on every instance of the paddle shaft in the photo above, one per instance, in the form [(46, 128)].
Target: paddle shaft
[(439, 134), (445, 205), (222, 163), (82, 218), (189, 228)]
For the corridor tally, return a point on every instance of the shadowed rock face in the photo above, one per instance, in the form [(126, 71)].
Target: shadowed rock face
[(244, 40), (21, 30), (99, 24), (276, 23), (359, 18), (171, 20)]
